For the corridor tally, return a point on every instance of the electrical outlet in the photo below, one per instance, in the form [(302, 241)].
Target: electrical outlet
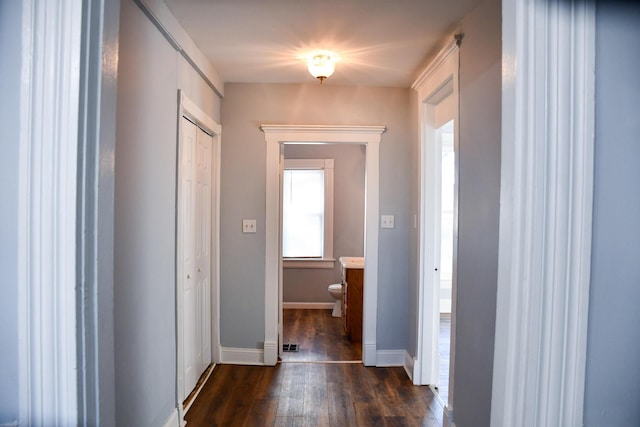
[(248, 225), (387, 221)]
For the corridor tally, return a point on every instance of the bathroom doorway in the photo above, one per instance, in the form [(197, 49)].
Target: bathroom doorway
[(322, 204), (276, 136)]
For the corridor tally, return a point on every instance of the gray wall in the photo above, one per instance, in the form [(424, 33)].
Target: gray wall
[(245, 108), (310, 284), (612, 395), (10, 64), (478, 212), (149, 75)]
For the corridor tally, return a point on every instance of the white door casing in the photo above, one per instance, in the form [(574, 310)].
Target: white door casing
[(275, 136), (280, 260), (546, 194), (437, 84), (47, 231)]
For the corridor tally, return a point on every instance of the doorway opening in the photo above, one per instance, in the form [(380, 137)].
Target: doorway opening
[(322, 202), (445, 138), (438, 102), (275, 137)]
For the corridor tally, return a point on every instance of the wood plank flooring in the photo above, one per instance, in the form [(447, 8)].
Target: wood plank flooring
[(313, 394), (320, 337), (306, 390)]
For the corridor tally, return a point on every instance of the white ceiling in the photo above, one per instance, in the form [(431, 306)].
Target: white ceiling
[(380, 42)]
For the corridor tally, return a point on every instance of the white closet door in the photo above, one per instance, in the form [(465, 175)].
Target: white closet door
[(204, 145), (187, 223), (194, 217)]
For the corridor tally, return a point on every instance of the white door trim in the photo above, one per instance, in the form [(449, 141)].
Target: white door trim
[(189, 109), (47, 211), (275, 135), (545, 214), (442, 73)]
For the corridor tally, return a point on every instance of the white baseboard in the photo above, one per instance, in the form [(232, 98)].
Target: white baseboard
[(385, 358), (369, 355), (241, 356), (173, 420), (409, 362), (381, 358), (270, 353), (308, 305)]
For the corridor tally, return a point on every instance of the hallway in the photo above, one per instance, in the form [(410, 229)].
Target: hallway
[(89, 223), (308, 387), (313, 394)]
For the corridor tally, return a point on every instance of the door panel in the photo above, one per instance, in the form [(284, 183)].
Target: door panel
[(203, 255), (195, 225), (186, 214)]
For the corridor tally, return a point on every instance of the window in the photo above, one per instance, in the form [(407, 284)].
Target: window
[(307, 213)]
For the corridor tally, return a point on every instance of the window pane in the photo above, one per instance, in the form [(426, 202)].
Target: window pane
[(303, 213)]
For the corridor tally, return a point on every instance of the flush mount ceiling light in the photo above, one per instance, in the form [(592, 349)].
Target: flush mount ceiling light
[(322, 64)]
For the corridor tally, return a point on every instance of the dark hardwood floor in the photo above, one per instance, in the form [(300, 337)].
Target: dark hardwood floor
[(313, 394), (320, 337), (307, 389)]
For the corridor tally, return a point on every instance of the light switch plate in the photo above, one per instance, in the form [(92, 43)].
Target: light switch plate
[(248, 225), (387, 221)]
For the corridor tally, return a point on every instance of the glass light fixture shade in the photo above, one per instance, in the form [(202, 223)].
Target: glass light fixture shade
[(321, 65)]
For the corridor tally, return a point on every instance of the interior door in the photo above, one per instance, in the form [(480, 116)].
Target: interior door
[(204, 145), (186, 218), (194, 216)]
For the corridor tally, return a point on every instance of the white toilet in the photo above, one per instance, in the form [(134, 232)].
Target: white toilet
[(336, 292)]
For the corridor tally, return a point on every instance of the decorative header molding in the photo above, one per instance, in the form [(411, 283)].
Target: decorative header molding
[(341, 129), (448, 50)]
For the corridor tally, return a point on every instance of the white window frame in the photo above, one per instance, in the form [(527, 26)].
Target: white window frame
[(327, 260)]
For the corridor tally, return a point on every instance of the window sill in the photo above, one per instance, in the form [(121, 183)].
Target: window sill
[(308, 263)]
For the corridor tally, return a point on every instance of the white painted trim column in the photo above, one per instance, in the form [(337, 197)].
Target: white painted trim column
[(281, 134), (545, 215), (51, 47)]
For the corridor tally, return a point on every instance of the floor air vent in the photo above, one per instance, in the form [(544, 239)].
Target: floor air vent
[(289, 347)]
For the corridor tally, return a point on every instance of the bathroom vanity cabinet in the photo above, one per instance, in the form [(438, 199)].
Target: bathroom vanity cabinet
[(352, 299)]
